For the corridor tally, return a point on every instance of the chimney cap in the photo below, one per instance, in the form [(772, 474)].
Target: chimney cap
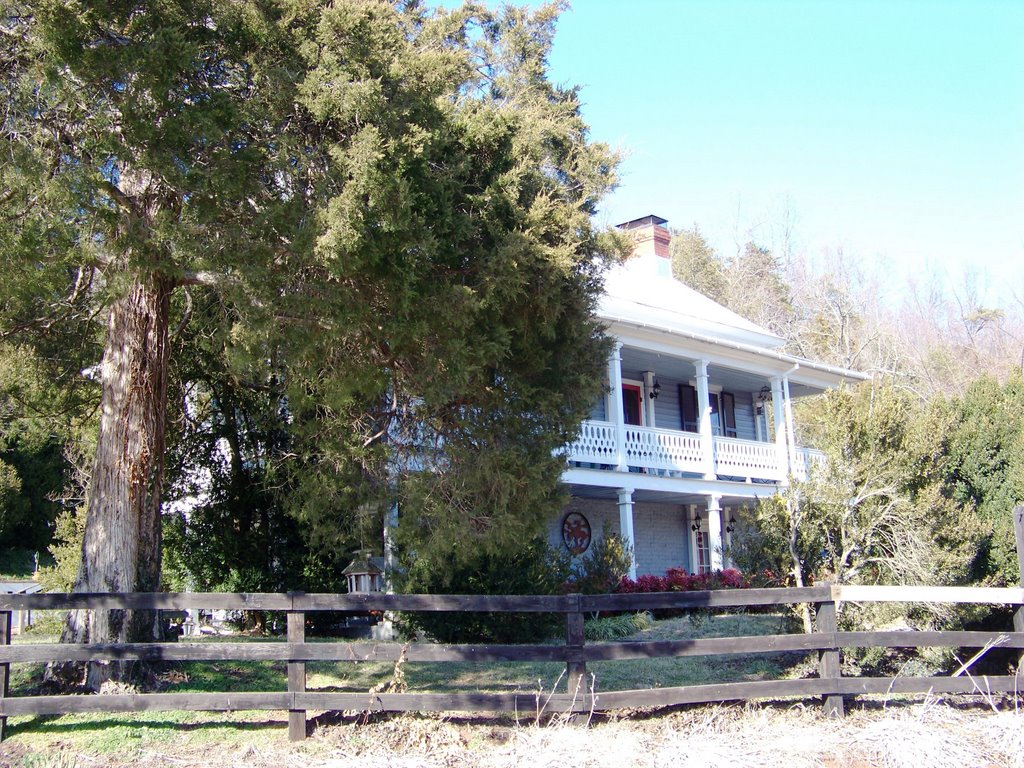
[(644, 221)]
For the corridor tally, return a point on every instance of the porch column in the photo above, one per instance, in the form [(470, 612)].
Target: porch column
[(707, 439), (781, 441), (727, 514), (790, 438), (626, 525), (648, 402), (691, 516), (715, 531), (615, 410)]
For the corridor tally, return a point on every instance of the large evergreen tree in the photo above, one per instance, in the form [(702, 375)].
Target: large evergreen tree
[(395, 202)]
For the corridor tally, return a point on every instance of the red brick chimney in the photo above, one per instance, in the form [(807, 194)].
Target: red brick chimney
[(651, 239)]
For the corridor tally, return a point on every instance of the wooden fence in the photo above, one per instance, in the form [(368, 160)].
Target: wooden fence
[(577, 696)]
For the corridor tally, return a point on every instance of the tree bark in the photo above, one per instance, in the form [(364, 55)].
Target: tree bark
[(121, 550)]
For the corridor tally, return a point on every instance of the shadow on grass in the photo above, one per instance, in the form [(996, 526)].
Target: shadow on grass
[(64, 725)]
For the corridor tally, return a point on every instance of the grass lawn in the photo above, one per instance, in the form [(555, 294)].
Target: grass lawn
[(116, 733)]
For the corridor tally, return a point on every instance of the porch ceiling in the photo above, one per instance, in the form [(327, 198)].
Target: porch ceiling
[(636, 361), (657, 497)]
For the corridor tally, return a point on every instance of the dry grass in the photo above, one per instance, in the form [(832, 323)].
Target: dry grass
[(933, 735), (902, 735)]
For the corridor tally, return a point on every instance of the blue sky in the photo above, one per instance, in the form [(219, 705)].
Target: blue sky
[(893, 130)]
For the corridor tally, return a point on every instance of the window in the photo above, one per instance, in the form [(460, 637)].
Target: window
[(688, 408), (632, 404), (702, 540), (723, 414), (723, 411)]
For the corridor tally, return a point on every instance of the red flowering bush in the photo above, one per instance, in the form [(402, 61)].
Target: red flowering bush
[(678, 580)]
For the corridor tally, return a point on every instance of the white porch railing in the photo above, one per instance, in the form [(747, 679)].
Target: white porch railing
[(806, 459), (665, 450), (747, 459), (596, 444)]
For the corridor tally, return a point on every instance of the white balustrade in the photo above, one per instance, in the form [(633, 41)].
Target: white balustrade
[(748, 459), (807, 459), (661, 451), (595, 445)]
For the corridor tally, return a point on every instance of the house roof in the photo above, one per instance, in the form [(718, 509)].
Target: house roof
[(642, 293), (639, 290)]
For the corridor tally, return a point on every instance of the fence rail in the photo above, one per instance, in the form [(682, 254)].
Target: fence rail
[(575, 653)]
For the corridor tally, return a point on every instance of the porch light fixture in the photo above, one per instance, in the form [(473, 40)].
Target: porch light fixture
[(732, 525), (696, 524), (651, 385), (764, 395)]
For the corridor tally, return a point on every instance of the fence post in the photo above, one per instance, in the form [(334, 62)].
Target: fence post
[(575, 667), (296, 672), (828, 659), (5, 669), (1018, 615)]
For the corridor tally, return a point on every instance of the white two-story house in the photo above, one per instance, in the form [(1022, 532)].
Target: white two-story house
[(697, 421)]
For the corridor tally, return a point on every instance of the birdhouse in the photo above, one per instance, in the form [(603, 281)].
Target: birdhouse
[(363, 575)]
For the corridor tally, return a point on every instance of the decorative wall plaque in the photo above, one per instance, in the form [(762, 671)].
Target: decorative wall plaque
[(576, 533)]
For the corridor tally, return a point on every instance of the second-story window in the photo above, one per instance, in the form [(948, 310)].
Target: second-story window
[(632, 404), (723, 411), (723, 414), (688, 408)]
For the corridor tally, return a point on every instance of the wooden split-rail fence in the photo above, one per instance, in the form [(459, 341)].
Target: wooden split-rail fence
[(577, 696)]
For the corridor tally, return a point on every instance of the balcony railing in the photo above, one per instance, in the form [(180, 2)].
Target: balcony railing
[(806, 460), (663, 449), (748, 459), (668, 452)]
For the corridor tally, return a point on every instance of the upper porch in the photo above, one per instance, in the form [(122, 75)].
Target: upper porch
[(678, 454), (691, 418)]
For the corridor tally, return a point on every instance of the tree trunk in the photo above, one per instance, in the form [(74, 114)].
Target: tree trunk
[(122, 544)]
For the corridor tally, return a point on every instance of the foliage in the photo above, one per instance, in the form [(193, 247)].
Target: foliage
[(678, 580), (758, 289), (532, 569), (983, 468), (602, 567), (17, 563), (763, 539), (37, 419), (226, 523), (66, 551), (616, 627), (385, 212), (873, 512), (901, 497), (695, 263)]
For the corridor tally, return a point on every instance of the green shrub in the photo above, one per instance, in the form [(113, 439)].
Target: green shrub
[(614, 627), (534, 569), (603, 567)]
